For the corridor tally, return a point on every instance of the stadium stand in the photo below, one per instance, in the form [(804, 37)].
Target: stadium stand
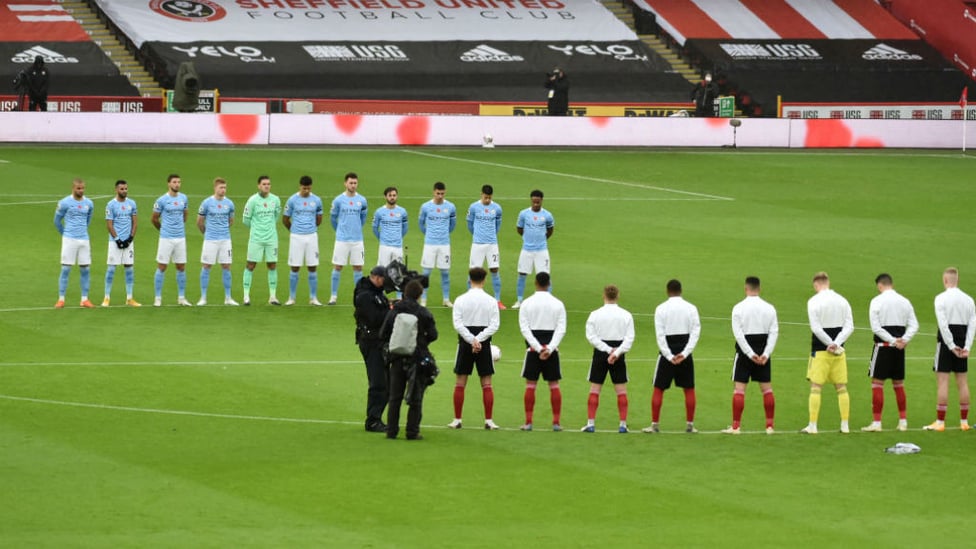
[(948, 25), (806, 50), (460, 50), (78, 65)]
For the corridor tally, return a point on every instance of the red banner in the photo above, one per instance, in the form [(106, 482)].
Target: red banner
[(38, 21), (62, 103)]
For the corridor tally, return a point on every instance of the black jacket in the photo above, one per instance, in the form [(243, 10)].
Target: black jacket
[(371, 307), (558, 103)]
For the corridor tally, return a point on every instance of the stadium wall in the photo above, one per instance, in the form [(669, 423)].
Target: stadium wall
[(291, 129)]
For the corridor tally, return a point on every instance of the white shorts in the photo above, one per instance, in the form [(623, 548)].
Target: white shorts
[(388, 254), (171, 249), (349, 253), (119, 256), (75, 251), (480, 253), (303, 248), (216, 251), (262, 251), (436, 256), (537, 261)]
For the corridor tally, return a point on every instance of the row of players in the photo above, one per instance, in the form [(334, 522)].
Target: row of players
[(302, 215), (610, 330)]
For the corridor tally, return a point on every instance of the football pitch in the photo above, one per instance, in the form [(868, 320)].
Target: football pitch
[(243, 426)]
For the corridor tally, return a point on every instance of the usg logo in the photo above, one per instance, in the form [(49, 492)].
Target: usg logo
[(356, 52), (49, 56), (884, 52), (775, 52), (247, 54), (621, 52), (487, 54), (193, 11)]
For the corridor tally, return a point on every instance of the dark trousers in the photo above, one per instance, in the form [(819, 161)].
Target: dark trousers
[(399, 376), (38, 103), (378, 392)]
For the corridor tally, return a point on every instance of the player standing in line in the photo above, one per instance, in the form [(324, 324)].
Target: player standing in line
[(484, 221), (348, 217), (169, 218), (542, 321), (677, 328), (476, 319), (214, 219), (71, 218), (261, 213), (390, 226), (121, 220), (831, 322), (610, 330), (756, 330), (535, 224), (302, 217), (955, 314), (894, 324), (437, 220)]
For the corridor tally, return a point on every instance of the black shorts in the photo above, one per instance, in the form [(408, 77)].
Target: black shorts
[(466, 360), (947, 362), (887, 362), (744, 369), (533, 366), (683, 375), (599, 368)]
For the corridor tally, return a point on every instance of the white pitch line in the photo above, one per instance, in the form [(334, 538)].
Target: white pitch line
[(571, 176), (54, 201)]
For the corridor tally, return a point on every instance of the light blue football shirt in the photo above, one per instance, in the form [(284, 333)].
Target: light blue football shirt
[(72, 217), (217, 215), (390, 225), (121, 215), (534, 226), (170, 210), (484, 222), (303, 211), (348, 216), (437, 222)]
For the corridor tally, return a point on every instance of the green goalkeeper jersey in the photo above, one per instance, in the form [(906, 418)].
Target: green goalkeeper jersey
[(261, 214)]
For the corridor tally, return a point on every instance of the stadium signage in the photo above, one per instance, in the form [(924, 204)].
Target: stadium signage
[(773, 51), (247, 54), (49, 56), (950, 111), (93, 104), (355, 52), (620, 52), (884, 52), (193, 11), (487, 54)]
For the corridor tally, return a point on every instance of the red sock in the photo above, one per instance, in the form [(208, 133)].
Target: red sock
[(877, 400), (900, 399), (940, 411), (529, 402), (622, 405), (690, 405), (556, 399), (769, 403), (656, 399), (591, 405), (488, 397), (738, 404), (458, 400), (964, 412)]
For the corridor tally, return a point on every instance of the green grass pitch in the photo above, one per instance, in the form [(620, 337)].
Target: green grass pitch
[(242, 427)]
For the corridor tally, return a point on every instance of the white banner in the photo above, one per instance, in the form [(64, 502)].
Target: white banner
[(505, 131), (341, 20)]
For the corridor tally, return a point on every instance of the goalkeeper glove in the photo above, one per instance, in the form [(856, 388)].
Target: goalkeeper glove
[(120, 243)]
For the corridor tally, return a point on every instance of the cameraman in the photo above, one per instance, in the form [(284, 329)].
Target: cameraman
[(558, 86), (37, 85), (410, 375), (21, 86), (371, 309)]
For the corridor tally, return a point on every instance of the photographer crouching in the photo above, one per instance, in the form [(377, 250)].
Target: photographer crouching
[(371, 310), (409, 324)]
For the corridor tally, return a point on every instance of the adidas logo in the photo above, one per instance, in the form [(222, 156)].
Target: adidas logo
[(488, 54), (49, 56), (884, 52)]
